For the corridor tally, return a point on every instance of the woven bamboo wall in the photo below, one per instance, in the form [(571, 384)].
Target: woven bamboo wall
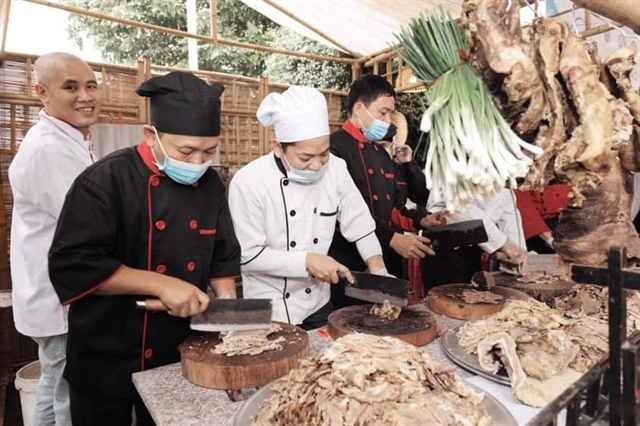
[(243, 139)]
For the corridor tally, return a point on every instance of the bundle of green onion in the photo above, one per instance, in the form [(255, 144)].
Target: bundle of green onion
[(472, 151)]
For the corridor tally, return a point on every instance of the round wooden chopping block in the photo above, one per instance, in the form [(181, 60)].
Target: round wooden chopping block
[(539, 291), (447, 300), (202, 367), (415, 327)]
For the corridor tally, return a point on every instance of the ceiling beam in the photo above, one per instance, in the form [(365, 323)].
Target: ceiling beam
[(186, 34)]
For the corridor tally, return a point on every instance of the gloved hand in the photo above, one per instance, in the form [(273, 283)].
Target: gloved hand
[(230, 295), (383, 273), (403, 154)]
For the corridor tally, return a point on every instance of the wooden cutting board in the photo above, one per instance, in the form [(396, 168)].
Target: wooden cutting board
[(202, 367), (542, 292), (415, 327), (447, 300)]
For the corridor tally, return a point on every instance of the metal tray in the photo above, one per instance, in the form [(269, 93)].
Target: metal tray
[(500, 415), (454, 351)]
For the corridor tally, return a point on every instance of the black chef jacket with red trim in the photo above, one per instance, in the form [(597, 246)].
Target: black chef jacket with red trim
[(123, 211), (373, 172), (412, 183)]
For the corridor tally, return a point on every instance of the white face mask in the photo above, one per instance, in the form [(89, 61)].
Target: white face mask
[(302, 176)]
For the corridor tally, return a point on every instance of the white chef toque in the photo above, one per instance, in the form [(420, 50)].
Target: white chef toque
[(298, 114)]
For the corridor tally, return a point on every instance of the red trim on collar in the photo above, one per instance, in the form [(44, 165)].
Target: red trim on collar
[(144, 151), (355, 133)]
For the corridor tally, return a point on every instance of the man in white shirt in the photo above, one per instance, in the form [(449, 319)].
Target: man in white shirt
[(503, 225), (53, 153), (285, 206)]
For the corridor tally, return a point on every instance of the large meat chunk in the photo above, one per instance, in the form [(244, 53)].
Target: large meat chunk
[(549, 36), (585, 233), (591, 100), (497, 31)]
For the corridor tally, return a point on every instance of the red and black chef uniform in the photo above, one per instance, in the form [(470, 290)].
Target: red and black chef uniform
[(540, 211), (124, 211), (412, 184), (373, 172)]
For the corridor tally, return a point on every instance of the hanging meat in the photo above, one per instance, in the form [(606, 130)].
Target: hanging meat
[(586, 129)]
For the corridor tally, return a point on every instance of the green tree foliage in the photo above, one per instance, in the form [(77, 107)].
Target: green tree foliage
[(126, 44), (236, 21), (302, 71)]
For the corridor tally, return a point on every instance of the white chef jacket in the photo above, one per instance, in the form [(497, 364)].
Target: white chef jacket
[(278, 221), (50, 157), (499, 214)]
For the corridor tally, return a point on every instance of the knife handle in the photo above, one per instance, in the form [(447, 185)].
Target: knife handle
[(151, 305)]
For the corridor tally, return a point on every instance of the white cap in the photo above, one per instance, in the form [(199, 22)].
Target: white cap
[(298, 114)]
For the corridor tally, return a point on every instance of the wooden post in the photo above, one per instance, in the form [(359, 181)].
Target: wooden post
[(263, 137), (626, 12), (356, 71), (6, 325), (143, 112), (29, 75), (5, 8), (186, 34), (213, 5)]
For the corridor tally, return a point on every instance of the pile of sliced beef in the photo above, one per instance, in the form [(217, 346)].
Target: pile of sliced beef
[(371, 380), (544, 350)]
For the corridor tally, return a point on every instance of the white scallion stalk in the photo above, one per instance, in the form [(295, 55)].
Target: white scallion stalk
[(471, 151)]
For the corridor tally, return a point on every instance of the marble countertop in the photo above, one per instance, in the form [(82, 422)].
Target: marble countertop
[(173, 401)]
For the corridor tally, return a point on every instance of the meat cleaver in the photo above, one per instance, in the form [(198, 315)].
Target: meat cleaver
[(224, 314), (377, 288), (457, 234)]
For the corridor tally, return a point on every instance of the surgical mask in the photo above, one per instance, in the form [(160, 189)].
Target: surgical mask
[(180, 171), (302, 176), (377, 130)]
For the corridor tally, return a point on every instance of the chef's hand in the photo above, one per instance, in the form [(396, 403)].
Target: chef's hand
[(403, 153), (431, 220), (411, 246), (511, 253), (383, 273), (327, 269), (181, 298)]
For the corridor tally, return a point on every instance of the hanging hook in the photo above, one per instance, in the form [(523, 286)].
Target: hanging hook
[(620, 29), (575, 19)]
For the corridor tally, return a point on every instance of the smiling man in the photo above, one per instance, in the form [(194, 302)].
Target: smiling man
[(53, 153), (285, 206), (146, 221)]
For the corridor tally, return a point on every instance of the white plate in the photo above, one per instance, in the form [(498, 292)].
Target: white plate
[(454, 351)]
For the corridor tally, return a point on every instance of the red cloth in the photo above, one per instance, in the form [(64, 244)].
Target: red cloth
[(536, 206)]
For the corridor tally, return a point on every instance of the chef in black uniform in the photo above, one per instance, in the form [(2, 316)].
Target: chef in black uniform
[(146, 221), (371, 102)]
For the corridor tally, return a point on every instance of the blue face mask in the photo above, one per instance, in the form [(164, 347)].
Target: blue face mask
[(180, 171), (302, 176), (377, 130)]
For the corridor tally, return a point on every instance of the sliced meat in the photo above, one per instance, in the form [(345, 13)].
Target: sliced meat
[(386, 311)]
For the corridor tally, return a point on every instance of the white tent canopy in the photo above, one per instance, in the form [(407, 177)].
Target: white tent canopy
[(362, 27)]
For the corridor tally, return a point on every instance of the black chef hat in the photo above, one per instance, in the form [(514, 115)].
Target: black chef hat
[(183, 104)]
